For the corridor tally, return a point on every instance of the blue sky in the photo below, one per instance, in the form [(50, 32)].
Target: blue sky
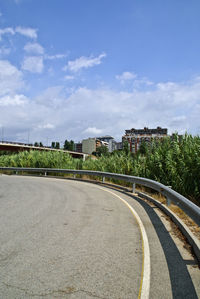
[(72, 69)]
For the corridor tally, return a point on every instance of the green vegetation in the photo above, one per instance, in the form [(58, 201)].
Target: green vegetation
[(69, 145), (38, 144), (40, 159), (173, 162), (101, 151), (55, 145)]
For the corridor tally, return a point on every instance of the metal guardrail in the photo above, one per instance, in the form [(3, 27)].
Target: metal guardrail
[(182, 202)]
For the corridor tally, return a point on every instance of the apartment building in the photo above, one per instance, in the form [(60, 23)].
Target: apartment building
[(136, 136), (110, 141), (78, 147)]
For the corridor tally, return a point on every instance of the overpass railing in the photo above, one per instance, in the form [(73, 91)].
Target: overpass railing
[(192, 210)]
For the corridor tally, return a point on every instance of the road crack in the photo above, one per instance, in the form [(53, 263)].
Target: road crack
[(67, 291)]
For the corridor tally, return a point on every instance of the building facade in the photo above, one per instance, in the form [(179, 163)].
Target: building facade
[(90, 145), (119, 146), (111, 143), (78, 147), (136, 136)]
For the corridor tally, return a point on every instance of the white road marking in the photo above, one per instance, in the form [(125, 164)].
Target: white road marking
[(146, 269)]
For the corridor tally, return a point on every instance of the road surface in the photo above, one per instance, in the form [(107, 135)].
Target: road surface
[(70, 239)]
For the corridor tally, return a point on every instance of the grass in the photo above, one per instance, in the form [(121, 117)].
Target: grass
[(175, 209)]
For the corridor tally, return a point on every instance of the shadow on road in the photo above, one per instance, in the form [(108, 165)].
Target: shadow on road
[(181, 282)]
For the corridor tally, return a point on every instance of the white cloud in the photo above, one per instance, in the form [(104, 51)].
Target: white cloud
[(83, 62), (34, 48), (46, 126), (126, 76), (57, 56), (51, 97), (142, 83), (26, 31), (33, 64), (7, 30), (10, 78), (93, 131), (88, 112), (134, 80), (16, 100)]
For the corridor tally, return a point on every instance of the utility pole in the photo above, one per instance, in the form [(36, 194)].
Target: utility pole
[(2, 133), (28, 135)]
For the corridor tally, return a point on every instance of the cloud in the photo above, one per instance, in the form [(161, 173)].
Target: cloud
[(134, 80), (26, 31), (56, 56), (51, 97), (16, 100), (142, 83), (91, 112), (46, 126), (7, 30), (126, 76), (176, 107), (33, 64), (83, 62), (93, 131), (11, 79), (34, 48)]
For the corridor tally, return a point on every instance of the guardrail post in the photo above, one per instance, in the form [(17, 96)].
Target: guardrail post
[(74, 176), (16, 172), (168, 201), (45, 174), (133, 188), (103, 179)]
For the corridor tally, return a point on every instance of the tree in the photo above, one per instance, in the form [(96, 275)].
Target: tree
[(143, 148), (126, 148), (69, 145), (57, 145), (41, 145), (53, 144), (36, 144), (102, 151)]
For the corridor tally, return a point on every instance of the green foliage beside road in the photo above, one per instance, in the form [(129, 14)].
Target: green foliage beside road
[(39, 159), (173, 162)]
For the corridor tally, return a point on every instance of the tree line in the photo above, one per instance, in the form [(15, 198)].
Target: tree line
[(68, 145)]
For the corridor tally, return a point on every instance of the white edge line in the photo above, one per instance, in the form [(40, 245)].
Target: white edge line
[(146, 262)]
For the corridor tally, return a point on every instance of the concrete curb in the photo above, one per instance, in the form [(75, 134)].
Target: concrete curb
[(193, 241)]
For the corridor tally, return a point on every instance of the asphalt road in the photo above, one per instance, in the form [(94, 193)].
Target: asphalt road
[(70, 239)]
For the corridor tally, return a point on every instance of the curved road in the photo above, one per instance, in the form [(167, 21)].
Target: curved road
[(70, 239)]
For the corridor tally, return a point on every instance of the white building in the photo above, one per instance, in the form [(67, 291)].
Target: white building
[(110, 141)]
